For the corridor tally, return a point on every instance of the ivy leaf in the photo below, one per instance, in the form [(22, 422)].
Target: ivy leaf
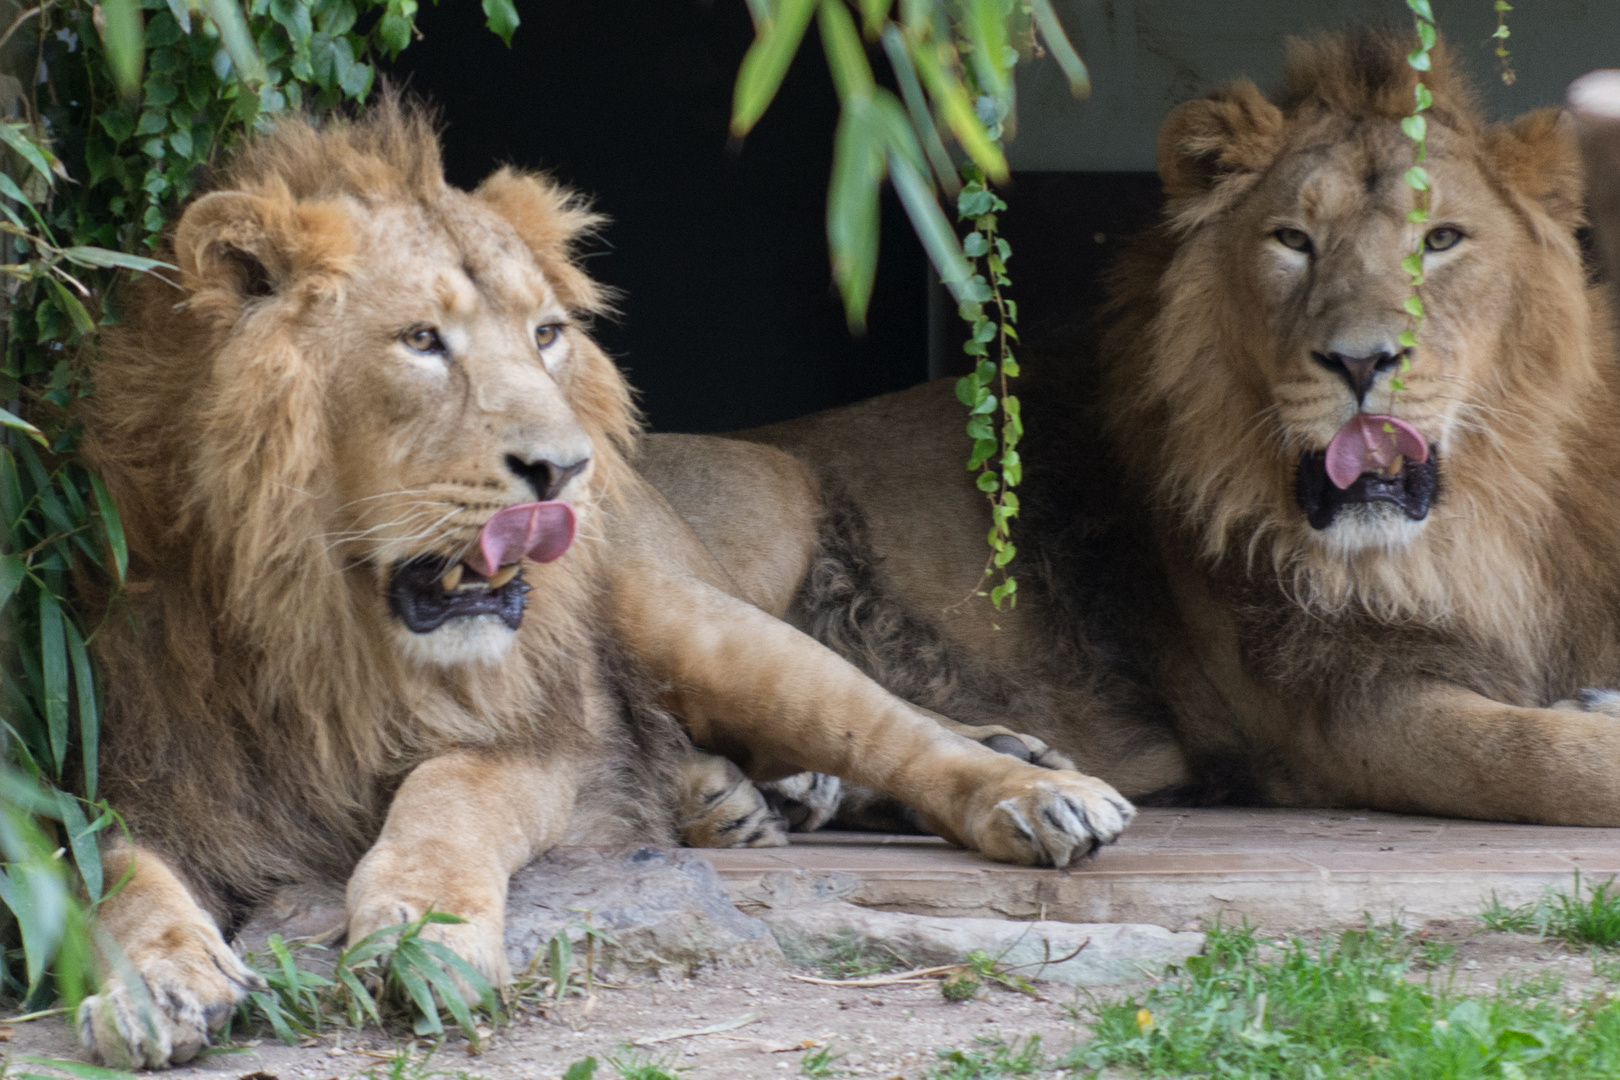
[(1415, 128), (502, 19), (1414, 306), (1417, 178), (974, 244)]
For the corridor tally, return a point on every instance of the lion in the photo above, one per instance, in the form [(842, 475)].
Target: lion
[(399, 613), (1270, 553)]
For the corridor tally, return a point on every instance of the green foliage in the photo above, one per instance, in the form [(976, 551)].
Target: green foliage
[(996, 1059), (417, 976), (1580, 917), (633, 1064), (1347, 1007), (1500, 36), (583, 1069), (853, 956), (992, 318), (820, 1063), (902, 138), (138, 100)]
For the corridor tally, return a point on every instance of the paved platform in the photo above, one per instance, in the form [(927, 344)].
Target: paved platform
[(1282, 869)]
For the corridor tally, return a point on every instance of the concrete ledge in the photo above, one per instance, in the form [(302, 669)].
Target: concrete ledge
[(1281, 869)]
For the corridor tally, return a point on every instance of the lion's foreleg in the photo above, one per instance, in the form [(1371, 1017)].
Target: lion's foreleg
[(168, 977), (1437, 748), (457, 829), (741, 678)]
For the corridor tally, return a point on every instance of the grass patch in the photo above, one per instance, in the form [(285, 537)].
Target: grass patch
[(1580, 917), (820, 1063), (1345, 1008), (632, 1064), (853, 956), (993, 1060)]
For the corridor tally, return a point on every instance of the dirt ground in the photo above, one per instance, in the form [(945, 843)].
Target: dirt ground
[(766, 1022)]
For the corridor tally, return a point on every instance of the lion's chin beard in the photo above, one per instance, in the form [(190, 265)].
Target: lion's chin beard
[(474, 639)]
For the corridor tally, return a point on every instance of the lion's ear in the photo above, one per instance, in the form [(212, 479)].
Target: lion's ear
[(1538, 155), (550, 219), (258, 245), (1234, 130)]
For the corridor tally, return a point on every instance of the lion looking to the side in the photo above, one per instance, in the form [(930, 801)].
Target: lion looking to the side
[(361, 641), (1254, 566)]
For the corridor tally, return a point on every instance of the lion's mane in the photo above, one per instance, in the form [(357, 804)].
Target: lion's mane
[(256, 720)]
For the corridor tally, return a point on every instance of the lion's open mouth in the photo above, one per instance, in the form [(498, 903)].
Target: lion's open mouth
[(1412, 488), (429, 590)]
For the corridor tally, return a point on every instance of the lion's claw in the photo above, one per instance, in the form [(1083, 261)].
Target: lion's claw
[(166, 1020), (1054, 820)]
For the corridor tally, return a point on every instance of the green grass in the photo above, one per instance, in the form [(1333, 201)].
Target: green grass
[(633, 1064), (820, 1063), (1589, 916), (1345, 1008), (993, 1060), (852, 956)]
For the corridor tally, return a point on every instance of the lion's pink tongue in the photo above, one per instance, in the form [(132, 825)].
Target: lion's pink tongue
[(1372, 443), (541, 531)]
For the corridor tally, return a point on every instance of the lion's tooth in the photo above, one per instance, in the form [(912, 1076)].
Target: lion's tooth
[(452, 578), (503, 576)]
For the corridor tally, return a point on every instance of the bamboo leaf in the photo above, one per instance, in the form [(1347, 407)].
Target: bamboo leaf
[(932, 228), (82, 842), (126, 43), (10, 420), (1057, 43), (922, 121), (54, 671), (852, 207), (767, 62), (238, 41), (12, 572), (12, 135), (84, 687), (846, 56), (103, 257), (501, 17), (951, 96), (112, 525), (984, 23)]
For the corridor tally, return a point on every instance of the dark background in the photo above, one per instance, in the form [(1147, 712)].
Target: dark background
[(729, 318)]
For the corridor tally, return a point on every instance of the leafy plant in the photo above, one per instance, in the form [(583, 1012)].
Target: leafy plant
[(414, 973), (997, 1059), (634, 1064), (135, 101), (820, 1063), (853, 956)]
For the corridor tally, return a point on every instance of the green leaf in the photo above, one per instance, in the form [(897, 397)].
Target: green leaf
[(105, 257), (501, 17), (12, 135), (1414, 306), (987, 482), (1422, 98), (974, 244), (182, 15), (1421, 9), (966, 388), (54, 670), (112, 525), (1417, 178), (1407, 339), (84, 692), (922, 118), (1057, 43), (1415, 128), (767, 62), (238, 42), (852, 206), (984, 24), (11, 420), (956, 106), (125, 41), (75, 310), (81, 841), (583, 1069), (80, 1070), (846, 56), (931, 226)]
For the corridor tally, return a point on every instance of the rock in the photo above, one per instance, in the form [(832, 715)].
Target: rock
[(1113, 953), (667, 910)]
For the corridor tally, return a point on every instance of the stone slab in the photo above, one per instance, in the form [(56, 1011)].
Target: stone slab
[(1281, 869), (1080, 954)]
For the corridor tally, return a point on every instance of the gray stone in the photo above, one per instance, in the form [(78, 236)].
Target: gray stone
[(666, 909), (1109, 954)]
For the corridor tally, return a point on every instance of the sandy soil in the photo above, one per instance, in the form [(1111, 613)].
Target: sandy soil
[(771, 1020)]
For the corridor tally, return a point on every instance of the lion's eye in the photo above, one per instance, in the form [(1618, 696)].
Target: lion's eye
[(1294, 240), (424, 339), (546, 336), (1442, 239)]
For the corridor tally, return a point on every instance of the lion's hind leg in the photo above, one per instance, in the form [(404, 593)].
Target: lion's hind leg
[(172, 980), (718, 807)]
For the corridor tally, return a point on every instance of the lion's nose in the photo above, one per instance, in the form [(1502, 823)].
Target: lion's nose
[(547, 478), (1359, 371)]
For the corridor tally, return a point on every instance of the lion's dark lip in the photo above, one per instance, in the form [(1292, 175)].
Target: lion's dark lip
[(418, 598), (1413, 489)]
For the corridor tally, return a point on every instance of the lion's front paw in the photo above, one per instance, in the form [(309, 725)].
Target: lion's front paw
[(165, 1019), (806, 801), (1047, 818), (379, 898)]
